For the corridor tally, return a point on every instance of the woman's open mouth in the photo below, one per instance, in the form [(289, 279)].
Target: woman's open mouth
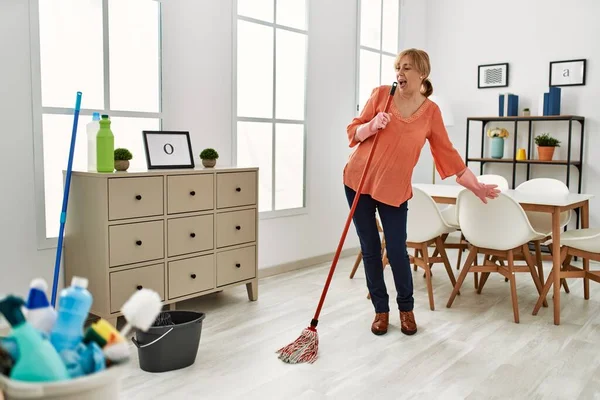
[(402, 83)]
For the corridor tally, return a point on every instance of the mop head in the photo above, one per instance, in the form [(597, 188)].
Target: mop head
[(141, 310), (303, 349)]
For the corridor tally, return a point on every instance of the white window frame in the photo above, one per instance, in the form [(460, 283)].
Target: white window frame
[(381, 52), (288, 211), (44, 242)]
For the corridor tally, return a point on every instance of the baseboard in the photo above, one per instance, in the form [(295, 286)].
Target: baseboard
[(304, 263)]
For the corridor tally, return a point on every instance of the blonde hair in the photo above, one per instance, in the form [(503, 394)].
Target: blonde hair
[(420, 60)]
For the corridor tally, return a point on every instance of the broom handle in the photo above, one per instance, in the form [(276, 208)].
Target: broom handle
[(315, 320), (63, 214)]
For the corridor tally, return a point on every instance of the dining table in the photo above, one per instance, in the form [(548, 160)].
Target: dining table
[(553, 204)]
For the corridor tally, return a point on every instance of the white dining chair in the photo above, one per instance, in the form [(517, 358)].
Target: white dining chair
[(449, 215), (583, 243), (425, 227), (499, 228), (542, 221)]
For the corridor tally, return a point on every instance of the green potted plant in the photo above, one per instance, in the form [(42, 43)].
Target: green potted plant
[(209, 157), (122, 157), (526, 112), (546, 145)]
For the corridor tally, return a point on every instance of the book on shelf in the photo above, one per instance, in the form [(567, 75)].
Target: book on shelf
[(508, 105)]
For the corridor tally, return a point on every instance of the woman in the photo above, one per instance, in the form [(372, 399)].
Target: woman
[(412, 119)]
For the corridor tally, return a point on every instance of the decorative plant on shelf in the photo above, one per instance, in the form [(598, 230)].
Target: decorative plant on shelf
[(209, 157), (497, 136), (546, 145), (526, 112), (122, 157)]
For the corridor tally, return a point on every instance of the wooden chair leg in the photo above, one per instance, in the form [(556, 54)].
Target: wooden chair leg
[(442, 250), (427, 267), (356, 264), (534, 276), (513, 286), (472, 257), (538, 259)]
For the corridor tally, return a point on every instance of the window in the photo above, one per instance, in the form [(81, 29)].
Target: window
[(378, 45), (110, 51), (270, 86)]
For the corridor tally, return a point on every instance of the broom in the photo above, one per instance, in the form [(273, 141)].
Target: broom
[(63, 214), (304, 349)]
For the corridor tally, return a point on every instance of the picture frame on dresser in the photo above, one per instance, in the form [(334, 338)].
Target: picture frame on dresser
[(567, 73), (168, 149)]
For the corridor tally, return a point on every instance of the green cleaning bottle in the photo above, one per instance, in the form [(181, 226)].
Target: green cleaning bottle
[(38, 360), (105, 147)]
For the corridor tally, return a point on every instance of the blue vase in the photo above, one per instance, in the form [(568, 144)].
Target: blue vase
[(497, 147)]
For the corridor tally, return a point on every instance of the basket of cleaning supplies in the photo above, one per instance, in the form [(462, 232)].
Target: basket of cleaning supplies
[(171, 342)]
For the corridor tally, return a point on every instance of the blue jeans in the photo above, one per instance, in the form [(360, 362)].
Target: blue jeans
[(393, 221)]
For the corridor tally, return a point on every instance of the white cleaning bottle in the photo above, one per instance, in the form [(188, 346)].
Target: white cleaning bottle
[(92, 129), (38, 311)]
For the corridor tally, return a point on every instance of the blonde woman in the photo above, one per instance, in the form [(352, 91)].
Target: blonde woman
[(412, 119)]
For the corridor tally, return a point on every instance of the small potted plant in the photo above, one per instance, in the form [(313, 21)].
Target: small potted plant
[(546, 145), (209, 157), (526, 112), (122, 157), (497, 136)]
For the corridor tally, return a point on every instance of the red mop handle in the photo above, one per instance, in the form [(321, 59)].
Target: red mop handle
[(351, 214)]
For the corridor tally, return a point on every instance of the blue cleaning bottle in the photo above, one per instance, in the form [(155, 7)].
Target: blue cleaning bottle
[(74, 305), (38, 361)]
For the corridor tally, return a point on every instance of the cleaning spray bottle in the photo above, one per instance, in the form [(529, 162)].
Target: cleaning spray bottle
[(74, 305), (39, 313), (92, 129), (38, 361), (105, 147)]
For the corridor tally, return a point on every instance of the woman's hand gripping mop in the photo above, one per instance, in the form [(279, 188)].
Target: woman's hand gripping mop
[(305, 348)]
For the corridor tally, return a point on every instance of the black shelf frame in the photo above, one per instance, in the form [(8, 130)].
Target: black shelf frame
[(530, 120)]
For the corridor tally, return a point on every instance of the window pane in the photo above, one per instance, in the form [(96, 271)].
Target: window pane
[(255, 149), (289, 166), (369, 75), (134, 55), (291, 69), (57, 141), (71, 53), (255, 70), (370, 23), (388, 73), (291, 13), (390, 26), (259, 9)]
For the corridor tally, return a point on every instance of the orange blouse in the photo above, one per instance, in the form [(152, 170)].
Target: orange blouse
[(389, 178)]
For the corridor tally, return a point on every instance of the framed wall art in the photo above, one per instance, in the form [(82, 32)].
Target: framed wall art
[(567, 73), (492, 76), (168, 149)]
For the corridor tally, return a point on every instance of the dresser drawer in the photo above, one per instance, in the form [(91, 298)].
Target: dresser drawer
[(135, 197), (236, 265), (236, 227), (187, 193), (124, 283), (190, 234), (191, 275), (236, 189), (133, 243)]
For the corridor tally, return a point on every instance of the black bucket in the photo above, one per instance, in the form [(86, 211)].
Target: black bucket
[(171, 342)]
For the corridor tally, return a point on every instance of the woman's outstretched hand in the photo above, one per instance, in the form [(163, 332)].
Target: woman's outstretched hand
[(482, 190)]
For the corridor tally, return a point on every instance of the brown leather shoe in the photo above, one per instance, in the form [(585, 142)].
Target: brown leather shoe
[(407, 323), (380, 323)]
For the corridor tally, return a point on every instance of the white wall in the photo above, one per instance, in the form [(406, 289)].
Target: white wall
[(198, 97), (463, 34)]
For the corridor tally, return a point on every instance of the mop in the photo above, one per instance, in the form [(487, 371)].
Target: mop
[(305, 348), (63, 214)]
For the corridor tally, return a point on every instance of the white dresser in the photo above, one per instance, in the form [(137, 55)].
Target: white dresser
[(182, 233)]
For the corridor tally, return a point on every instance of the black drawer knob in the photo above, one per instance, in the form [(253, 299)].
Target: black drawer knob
[(238, 265), (139, 287), (139, 197), (192, 235), (238, 189), (193, 276), (238, 227), (138, 242), (192, 193)]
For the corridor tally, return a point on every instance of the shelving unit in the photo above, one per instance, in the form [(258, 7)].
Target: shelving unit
[(568, 163)]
